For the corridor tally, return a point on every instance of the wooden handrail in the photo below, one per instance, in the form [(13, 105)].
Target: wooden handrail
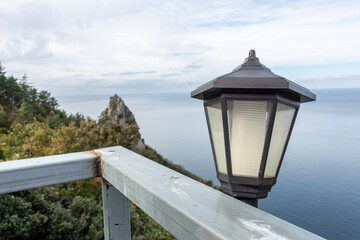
[(186, 208)]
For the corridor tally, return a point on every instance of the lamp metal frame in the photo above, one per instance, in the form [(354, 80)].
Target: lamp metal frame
[(241, 186)]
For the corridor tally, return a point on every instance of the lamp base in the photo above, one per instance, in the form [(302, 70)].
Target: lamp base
[(246, 191), (252, 202)]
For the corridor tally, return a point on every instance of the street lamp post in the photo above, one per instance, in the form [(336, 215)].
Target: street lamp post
[(250, 114)]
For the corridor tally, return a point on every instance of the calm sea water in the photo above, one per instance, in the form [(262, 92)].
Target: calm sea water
[(319, 183)]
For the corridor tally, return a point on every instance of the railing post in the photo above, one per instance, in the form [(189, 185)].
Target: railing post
[(116, 211)]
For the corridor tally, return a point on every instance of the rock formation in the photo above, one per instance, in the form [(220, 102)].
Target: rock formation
[(118, 112)]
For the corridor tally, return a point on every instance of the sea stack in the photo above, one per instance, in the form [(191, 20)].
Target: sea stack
[(118, 112)]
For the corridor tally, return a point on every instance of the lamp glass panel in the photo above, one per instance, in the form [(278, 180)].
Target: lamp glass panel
[(248, 123), (217, 135), (281, 130)]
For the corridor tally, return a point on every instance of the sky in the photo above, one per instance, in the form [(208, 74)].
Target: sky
[(102, 47)]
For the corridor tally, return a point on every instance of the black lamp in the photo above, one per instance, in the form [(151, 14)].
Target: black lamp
[(250, 114)]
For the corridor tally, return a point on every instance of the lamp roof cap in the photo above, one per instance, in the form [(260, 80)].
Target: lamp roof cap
[(252, 76)]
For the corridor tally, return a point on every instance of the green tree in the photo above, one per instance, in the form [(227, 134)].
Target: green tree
[(49, 213), (24, 103)]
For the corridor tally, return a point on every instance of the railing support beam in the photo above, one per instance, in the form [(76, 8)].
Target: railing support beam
[(116, 212)]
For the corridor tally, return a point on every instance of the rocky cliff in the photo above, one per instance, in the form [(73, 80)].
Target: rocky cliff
[(118, 112)]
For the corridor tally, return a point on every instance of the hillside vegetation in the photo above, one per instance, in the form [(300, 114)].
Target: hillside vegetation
[(31, 125)]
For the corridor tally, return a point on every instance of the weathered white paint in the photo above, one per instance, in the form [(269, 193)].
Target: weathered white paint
[(261, 230), (187, 208), (39, 172), (116, 211)]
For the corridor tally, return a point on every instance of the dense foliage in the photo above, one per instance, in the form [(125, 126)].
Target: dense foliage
[(49, 213), (32, 126), (23, 103)]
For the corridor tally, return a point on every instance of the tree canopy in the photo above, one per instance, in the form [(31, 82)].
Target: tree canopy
[(21, 102)]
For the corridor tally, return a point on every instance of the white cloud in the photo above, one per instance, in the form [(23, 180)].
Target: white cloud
[(88, 44)]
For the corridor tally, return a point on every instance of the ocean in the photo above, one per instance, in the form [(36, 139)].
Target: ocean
[(318, 187)]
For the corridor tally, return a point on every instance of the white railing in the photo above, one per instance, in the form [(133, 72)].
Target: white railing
[(186, 208)]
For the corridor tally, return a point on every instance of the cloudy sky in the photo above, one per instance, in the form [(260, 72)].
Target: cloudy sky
[(91, 47)]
